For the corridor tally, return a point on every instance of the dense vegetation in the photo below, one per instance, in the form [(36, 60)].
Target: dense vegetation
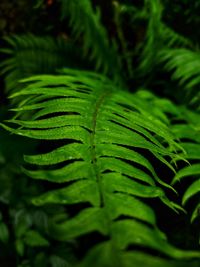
[(100, 134)]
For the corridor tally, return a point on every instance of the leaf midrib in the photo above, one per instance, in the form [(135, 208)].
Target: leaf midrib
[(97, 172)]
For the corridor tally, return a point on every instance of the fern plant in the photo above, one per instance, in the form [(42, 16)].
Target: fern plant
[(106, 145), (103, 127)]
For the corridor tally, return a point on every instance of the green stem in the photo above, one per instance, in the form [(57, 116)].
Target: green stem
[(117, 19)]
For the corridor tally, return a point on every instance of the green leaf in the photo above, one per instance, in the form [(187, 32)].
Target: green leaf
[(4, 232), (20, 247), (57, 261), (192, 170), (193, 189), (192, 150), (87, 221), (195, 213), (34, 239)]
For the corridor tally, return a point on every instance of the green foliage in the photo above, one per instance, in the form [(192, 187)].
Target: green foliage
[(188, 133), (107, 162), (98, 161), (184, 65), (29, 55), (158, 36), (4, 233), (86, 22)]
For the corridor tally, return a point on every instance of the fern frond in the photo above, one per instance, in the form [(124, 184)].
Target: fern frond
[(103, 129), (152, 41), (28, 55), (187, 133), (158, 36), (187, 173), (101, 253), (86, 22), (185, 65), (171, 38)]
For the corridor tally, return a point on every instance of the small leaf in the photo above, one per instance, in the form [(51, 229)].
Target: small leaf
[(22, 225), (193, 189), (57, 261), (34, 239), (4, 232), (191, 170), (196, 213), (19, 245)]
